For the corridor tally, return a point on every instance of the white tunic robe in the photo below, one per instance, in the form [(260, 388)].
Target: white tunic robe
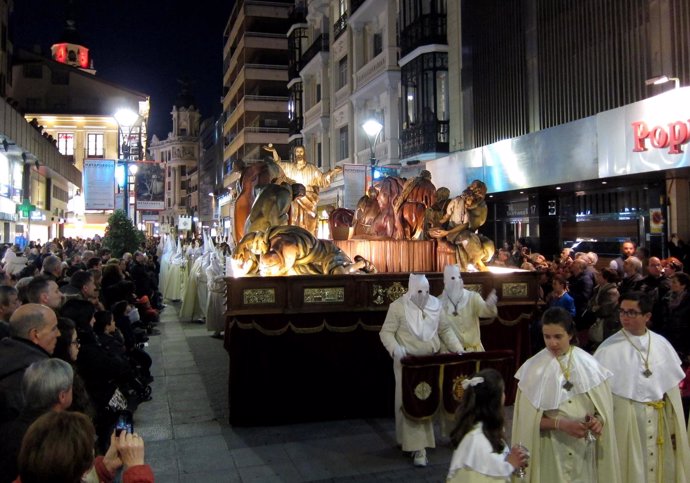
[(645, 405)]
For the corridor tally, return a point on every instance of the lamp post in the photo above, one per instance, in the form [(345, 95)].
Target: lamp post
[(126, 120), (663, 79), (372, 128)]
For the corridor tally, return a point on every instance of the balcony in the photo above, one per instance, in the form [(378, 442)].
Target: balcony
[(339, 26), (427, 137), (321, 44), (370, 70), (426, 30)]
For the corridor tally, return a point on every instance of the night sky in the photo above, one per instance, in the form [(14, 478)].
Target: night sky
[(144, 45)]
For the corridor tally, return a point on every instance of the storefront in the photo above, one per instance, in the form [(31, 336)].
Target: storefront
[(620, 174)]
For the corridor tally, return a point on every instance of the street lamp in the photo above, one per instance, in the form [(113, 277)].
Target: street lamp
[(126, 120), (662, 79), (372, 128)]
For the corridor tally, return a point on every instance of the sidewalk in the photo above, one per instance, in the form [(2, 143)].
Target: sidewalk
[(188, 438)]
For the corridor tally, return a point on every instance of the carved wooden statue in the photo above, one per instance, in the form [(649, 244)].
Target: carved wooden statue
[(464, 215)]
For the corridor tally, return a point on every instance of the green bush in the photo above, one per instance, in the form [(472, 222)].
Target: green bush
[(121, 235)]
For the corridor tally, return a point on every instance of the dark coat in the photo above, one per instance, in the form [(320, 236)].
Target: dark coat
[(11, 435), (15, 356)]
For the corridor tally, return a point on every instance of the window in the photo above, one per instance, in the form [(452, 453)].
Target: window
[(59, 77), (318, 93), (94, 145), (377, 44), (66, 143), (319, 156), (33, 71), (343, 142), (183, 170), (342, 73)]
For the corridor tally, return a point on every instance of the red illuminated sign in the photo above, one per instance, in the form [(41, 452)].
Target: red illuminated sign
[(671, 136), (83, 57), (61, 53)]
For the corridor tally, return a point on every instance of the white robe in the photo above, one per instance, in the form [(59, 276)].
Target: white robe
[(556, 456), (412, 435), (637, 423), (465, 325), (474, 460)]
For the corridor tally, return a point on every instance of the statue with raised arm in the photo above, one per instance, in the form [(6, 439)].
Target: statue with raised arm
[(304, 207), (464, 215)]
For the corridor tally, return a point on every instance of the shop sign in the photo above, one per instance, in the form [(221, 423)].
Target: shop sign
[(671, 136)]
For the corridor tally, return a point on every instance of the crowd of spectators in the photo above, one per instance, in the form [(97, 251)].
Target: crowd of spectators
[(590, 290), (74, 326)]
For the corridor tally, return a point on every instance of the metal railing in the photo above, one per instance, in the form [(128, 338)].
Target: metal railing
[(340, 26), (425, 30), (320, 44)]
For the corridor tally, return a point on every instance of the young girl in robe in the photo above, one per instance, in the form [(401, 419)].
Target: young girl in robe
[(564, 411), (481, 453)]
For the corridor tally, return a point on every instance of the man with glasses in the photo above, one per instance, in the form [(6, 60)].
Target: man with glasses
[(649, 421)]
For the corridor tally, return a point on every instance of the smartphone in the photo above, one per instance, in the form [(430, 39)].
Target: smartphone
[(124, 423)]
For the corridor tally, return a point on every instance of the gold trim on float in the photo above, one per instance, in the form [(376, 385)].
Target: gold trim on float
[(324, 295), (474, 287), (457, 388), (377, 294), (514, 290), (395, 291), (253, 325), (258, 296)]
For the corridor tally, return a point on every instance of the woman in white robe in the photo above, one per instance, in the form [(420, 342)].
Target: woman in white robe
[(564, 411)]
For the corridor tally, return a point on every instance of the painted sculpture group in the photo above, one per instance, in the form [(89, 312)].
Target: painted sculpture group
[(276, 220)]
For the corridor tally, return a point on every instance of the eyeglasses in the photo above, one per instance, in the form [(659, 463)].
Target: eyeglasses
[(629, 313), (75, 343)]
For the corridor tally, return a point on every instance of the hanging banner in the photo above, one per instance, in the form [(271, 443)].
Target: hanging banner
[(354, 181), (99, 184), (184, 223), (150, 186)]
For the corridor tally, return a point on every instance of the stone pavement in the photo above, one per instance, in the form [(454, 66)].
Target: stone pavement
[(188, 438)]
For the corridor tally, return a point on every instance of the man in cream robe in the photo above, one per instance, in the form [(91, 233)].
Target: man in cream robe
[(413, 326), (641, 403), (462, 309)]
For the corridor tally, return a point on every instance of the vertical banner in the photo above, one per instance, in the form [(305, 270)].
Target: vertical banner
[(354, 181), (150, 186), (656, 220), (99, 184)]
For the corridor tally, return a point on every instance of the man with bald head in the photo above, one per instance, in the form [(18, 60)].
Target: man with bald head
[(33, 335)]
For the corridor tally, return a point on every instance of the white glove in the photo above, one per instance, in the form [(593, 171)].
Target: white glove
[(492, 298), (399, 352)]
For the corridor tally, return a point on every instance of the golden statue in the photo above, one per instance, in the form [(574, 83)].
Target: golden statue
[(304, 207)]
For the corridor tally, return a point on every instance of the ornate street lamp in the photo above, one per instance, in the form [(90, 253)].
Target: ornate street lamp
[(372, 128), (126, 120)]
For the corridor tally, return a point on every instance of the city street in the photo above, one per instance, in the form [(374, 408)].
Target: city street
[(188, 437)]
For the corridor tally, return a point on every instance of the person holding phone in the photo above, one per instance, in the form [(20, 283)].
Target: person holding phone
[(39, 462)]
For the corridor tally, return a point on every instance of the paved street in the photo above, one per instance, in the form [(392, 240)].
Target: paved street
[(188, 437)]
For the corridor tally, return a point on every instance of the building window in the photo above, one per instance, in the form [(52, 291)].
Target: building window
[(33, 71), (319, 155), (342, 72), (343, 141), (66, 143), (59, 77), (318, 93), (377, 44), (94, 145), (183, 170)]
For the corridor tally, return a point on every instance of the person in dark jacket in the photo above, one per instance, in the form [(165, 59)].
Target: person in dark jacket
[(101, 371), (580, 288), (141, 276), (33, 335), (46, 386)]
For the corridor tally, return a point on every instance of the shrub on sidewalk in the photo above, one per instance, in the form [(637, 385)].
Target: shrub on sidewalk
[(121, 235)]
